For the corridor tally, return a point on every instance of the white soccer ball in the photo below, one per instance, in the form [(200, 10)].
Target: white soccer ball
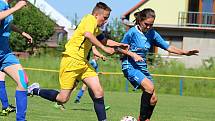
[(128, 118)]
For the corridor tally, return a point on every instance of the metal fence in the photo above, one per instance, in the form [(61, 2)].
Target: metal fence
[(197, 19)]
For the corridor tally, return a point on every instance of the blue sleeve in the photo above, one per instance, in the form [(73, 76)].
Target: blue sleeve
[(2, 5), (127, 37), (159, 41), (100, 37)]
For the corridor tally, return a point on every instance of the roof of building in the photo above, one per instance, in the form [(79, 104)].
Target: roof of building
[(134, 8), (53, 14)]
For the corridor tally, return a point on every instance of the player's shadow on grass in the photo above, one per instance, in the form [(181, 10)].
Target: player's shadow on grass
[(82, 109), (87, 103)]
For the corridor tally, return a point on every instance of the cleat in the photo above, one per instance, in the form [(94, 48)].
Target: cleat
[(8, 110), (107, 107), (4, 113), (77, 101), (32, 87), (59, 106)]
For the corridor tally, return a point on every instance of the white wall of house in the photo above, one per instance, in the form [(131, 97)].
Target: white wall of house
[(203, 44), (166, 10)]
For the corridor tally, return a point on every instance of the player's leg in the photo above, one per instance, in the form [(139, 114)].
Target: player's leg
[(18, 74), (61, 96), (98, 100), (138, 79), (153, 103), (148, 99), (67, 78), (3, 94), (80, 93), (6, 108)]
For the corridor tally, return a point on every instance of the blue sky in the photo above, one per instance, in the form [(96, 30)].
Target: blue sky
[(69, 7)]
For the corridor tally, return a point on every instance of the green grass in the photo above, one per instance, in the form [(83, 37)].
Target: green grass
[(169, 108), (163, 85)]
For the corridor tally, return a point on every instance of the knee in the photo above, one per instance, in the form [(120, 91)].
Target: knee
[(99, 93), (149, 89), (154, 100), (62, 99)]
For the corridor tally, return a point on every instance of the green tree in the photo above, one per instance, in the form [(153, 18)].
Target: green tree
[(34, 22), (116, 30)]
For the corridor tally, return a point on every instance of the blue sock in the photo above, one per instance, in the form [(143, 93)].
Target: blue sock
[(100, 108), (3, 95), (21, 105), (80, 94)]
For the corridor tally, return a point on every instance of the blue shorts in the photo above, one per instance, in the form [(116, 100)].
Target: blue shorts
[(136, 76), (8, 60)]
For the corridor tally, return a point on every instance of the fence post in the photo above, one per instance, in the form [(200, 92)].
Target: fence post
[(181, 87), (126, 85)]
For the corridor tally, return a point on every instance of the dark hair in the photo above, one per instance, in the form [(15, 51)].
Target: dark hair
[(144, 14), (101, 5)]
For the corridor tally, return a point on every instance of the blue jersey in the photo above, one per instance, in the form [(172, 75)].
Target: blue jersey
[(5, 29), (140, 43)]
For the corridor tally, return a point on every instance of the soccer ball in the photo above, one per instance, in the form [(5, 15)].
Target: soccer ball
[(128, 118)]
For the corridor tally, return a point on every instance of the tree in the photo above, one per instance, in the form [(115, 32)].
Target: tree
[(34, 22), (116, 30)]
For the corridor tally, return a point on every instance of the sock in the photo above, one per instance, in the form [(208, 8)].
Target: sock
[(21, 105), (3, 95), (151, 108), (145, 105), (80, 94), (100, 108), (48, 94)]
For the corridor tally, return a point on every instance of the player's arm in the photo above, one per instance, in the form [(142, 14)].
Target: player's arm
[(98, 54), (96, 42), (173, 49), (126, 52), (24, 34), (112, 43), (19, 5), (160, 42)]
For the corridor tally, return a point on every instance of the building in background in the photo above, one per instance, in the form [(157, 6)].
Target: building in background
[(64, 27), (185, 24)]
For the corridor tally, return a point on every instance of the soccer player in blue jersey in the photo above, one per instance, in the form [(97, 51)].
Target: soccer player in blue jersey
[(9, 64), (140, 38)]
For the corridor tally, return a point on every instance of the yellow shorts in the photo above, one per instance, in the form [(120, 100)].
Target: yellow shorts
[(72, 70)]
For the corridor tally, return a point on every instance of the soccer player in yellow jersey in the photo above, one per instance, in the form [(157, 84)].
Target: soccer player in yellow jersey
[(75, 65)]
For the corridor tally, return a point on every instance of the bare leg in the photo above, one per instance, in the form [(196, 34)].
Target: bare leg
[(17, 73), (94, 84)]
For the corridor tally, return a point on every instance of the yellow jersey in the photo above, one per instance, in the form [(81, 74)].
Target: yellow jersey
[(78, 46)]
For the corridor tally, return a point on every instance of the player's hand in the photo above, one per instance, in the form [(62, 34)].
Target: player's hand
[(103, 57), (191, 52), (137, 58), (20, 4), (28, 37)]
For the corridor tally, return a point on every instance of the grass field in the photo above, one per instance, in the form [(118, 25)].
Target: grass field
[(169, 108)]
